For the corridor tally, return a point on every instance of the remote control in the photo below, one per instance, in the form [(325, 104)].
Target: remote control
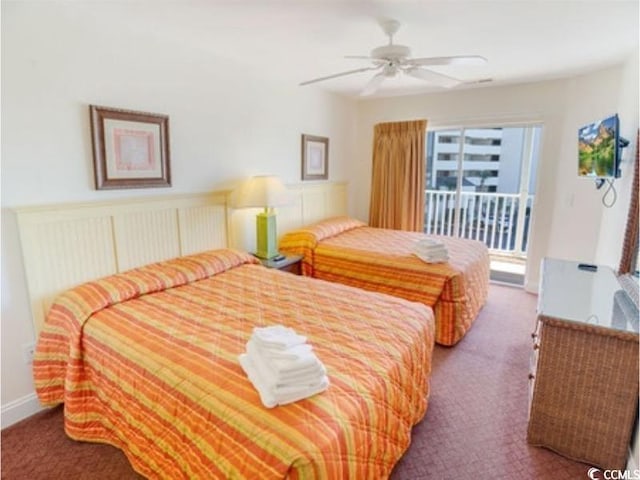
[(588, 267)]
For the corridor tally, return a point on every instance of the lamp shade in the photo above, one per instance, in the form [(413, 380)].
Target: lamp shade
[(264, 191)]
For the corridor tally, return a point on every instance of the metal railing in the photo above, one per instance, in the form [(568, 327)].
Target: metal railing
[(499, 220)]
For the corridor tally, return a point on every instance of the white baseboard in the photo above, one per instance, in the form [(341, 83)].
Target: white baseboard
[(19, 409), (632, 466)]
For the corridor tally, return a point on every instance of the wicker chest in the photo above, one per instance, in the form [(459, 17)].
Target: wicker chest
[(584, 367)]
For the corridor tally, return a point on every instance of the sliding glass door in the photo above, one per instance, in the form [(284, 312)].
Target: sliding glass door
[(481, 184)]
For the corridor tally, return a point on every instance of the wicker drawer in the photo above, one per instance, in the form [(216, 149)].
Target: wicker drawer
[(533, 366), (585, 392)]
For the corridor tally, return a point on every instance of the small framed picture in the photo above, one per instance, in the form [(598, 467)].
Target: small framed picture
[(315, 157), (130, 149)]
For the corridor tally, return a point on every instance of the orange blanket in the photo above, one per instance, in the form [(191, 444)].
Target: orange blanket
[(147, 361), (347, 251)]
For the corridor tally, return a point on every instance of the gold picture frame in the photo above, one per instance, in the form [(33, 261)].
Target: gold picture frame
[(130, 148), (315, 157)]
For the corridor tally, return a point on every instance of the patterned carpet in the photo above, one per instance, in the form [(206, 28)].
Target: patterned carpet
[(475, 426)]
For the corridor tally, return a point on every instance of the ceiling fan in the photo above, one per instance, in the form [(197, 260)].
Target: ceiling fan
[(393, 59)]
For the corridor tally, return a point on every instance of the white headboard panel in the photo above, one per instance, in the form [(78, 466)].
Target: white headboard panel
[(319, 202), (65, 245)]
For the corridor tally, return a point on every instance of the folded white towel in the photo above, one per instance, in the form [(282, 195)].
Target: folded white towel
[(267, 398), (296, 352), (277, 337), (429, 242), (286, 398), (429, 259), (283, 396), (431, 251), (435, 253), (287, 359), (429, 246), (293, 390), (308, 374), (281, 366)]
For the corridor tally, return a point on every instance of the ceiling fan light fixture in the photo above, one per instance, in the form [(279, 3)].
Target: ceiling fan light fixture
[(391, 52), (391, 59), (390, 70)]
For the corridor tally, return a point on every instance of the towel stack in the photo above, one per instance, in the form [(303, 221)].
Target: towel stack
[(431, 251), (281, 366)]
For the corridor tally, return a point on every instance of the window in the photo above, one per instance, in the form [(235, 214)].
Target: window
[(491, 174)]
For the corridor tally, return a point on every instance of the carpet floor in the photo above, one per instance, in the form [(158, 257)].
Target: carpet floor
[(475, 426)]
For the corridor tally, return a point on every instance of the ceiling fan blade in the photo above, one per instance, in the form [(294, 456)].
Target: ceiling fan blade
[(454, 60), (430, 76), (373, 84), (335, 75)]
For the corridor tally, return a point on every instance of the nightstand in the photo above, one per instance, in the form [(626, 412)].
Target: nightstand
[(291, 263)]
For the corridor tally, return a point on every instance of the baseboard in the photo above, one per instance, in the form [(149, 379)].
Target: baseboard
[(632, 466), (19, 409), (531, 287)]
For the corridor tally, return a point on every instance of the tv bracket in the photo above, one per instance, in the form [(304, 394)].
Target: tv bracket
[(622, 143)]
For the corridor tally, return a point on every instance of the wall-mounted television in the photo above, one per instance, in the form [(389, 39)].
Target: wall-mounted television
[(599, 149)]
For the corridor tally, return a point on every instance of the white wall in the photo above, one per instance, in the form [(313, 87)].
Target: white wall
[(226, 123), (612, 218), (568, 214)]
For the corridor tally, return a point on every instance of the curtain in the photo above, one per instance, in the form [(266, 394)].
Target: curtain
[(630, 245), (398, 177)]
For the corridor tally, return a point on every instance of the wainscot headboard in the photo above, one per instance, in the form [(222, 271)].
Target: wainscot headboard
[(65, 245)]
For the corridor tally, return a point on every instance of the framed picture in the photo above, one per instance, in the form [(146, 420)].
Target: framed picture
[(315, 157), (130, 149)]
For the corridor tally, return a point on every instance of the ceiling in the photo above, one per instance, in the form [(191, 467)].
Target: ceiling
[(296, 40)]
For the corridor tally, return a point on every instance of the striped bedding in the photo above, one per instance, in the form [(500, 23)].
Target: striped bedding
[(347, 251), (148, 361)]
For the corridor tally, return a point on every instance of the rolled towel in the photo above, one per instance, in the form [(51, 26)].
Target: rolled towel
[(277, 337)]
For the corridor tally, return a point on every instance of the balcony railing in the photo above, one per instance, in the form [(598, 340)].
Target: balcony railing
[(499, 220)]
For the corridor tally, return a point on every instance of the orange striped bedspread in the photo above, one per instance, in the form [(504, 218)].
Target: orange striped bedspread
[(148, 361), (347, 251)]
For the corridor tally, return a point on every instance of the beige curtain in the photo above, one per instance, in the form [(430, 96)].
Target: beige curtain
[(398, 177)]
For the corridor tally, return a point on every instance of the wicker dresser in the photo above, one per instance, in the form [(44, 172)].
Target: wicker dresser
[(584, 366)]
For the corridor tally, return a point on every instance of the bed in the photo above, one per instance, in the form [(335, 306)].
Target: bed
[(347, 251), (147, 361)]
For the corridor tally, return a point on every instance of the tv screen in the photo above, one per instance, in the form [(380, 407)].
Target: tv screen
[(598, 148)]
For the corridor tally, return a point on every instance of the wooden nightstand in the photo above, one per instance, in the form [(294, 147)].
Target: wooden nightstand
[(291, 263)]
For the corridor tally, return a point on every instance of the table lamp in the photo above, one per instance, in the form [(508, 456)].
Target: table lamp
[(266, 192)]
